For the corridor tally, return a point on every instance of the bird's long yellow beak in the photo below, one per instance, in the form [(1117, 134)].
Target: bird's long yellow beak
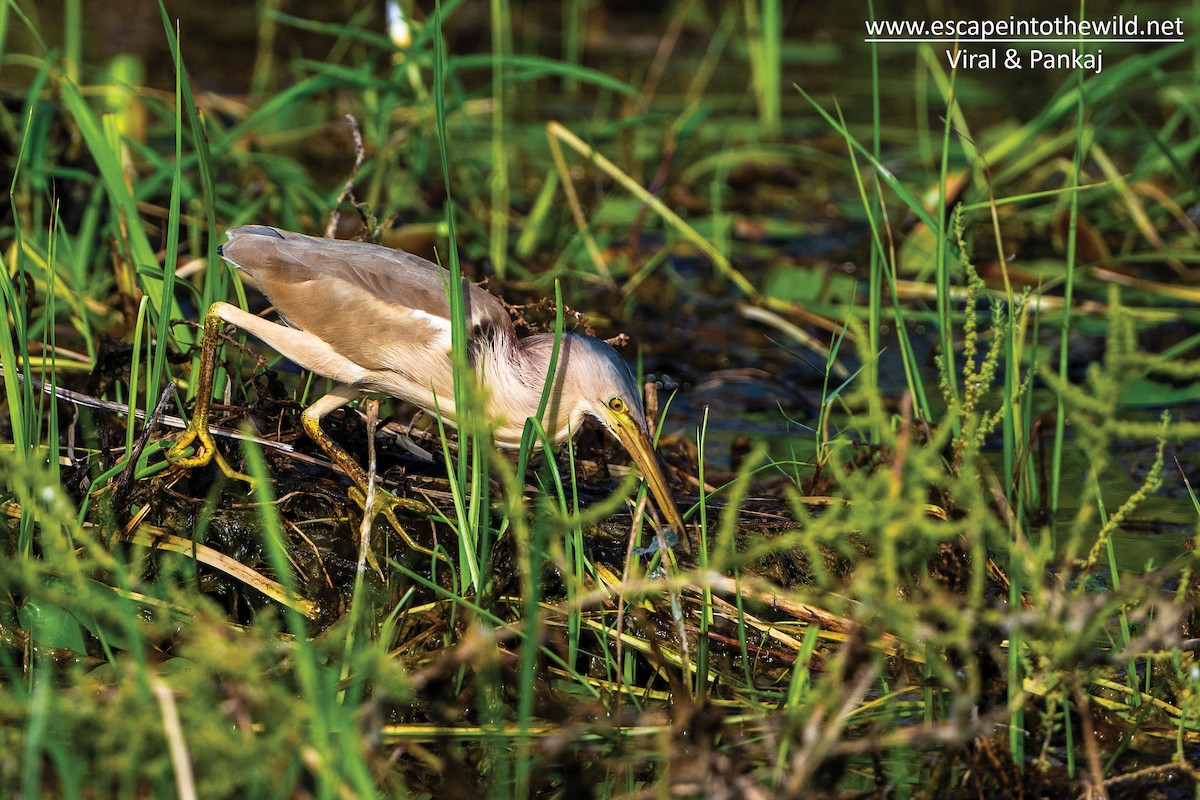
[(640, 447)]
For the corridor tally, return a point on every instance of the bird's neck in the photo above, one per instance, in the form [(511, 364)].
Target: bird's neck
[(515, 373)]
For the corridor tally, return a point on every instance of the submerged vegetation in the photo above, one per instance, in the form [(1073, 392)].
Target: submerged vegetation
[(923, 360)]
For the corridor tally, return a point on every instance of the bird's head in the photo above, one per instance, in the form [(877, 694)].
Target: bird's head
[(598, 383), (595, 381)]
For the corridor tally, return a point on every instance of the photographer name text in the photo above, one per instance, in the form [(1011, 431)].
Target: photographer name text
[(1013, 59)]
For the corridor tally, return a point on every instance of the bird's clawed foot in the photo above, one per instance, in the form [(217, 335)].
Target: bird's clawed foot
[(206, 450), (197, 431), (387, 504)]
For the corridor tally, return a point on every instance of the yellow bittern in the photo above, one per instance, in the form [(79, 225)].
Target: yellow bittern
[(377, 320)]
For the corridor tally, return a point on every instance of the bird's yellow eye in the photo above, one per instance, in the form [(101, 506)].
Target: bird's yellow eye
[(618, 405)]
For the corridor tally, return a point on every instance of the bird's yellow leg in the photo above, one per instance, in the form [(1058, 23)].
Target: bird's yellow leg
[(385, 503), (197, 430)]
